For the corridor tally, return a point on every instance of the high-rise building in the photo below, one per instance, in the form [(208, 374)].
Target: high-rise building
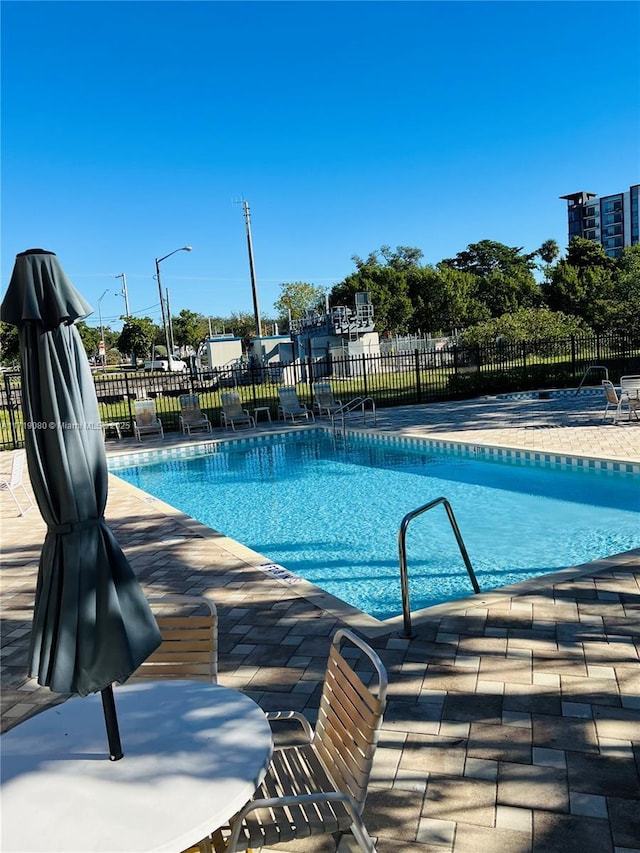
[(611, 220)]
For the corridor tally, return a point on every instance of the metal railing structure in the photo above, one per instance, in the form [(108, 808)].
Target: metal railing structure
[(402, 553), (588, 371), (358, 403), (393, 378)]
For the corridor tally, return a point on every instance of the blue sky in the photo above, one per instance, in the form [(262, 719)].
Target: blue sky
[(130, 129)]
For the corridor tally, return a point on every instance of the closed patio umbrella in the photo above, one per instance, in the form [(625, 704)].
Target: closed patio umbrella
[(92, 625)]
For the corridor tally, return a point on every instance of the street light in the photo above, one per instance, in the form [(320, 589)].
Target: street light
[(164, 315)]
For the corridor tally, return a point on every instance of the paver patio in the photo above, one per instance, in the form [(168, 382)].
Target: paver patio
[(513, 721)]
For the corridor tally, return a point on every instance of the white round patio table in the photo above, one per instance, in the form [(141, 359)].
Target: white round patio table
[(194, 753)]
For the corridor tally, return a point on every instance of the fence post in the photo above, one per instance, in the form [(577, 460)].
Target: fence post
[(524, 361), (12, 418), (573, 356), (416, 356), (126, 385), (364, 374)]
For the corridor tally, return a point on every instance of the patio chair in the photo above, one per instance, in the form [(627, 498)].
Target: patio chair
[(617, 401), (189, 648), (191, 415), (630, 393), (324, 401), (291, 407), (147, 421), (318, 787), (232, 412), (14, 481)]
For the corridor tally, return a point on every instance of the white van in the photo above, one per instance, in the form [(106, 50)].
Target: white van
[(172, 365)]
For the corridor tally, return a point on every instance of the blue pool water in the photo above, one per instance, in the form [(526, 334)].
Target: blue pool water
[(331, 514)]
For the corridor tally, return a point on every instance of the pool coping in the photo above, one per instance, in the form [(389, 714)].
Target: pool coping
[(366, 624)]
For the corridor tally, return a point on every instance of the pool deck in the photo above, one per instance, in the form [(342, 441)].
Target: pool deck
[(513, 719)]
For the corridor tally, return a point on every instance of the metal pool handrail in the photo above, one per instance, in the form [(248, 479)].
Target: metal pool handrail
[(586, 373), (402, 549), (352, 405)]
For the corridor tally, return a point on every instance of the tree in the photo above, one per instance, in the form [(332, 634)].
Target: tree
[(403, 258), (526, 324), (585, 254), (627, 275), (487, 257), (189, 328), (9, 345), (504, 275), (389, 294), (297, 299), (90, 337), (458, 303), (549, 251), (443, 299), (137, 336), (583, 283), (242, 324), (624, 318)]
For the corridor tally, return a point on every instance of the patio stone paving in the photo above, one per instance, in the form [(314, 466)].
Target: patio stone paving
[(513, 720)]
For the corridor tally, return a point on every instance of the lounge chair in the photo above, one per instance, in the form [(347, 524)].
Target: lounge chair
[(13, 482), (319, 787), (324, 401), (627, 397), (232, 411), (291, 407), (147, 421), (189, 647), (191, 415), (630, 393)]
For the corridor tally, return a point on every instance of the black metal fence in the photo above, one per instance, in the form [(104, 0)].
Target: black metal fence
[(391, 379)]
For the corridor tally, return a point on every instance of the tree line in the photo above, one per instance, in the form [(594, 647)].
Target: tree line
[(490, 290), (487, 292)]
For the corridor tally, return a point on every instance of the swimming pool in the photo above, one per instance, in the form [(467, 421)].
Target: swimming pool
[(330, 513)]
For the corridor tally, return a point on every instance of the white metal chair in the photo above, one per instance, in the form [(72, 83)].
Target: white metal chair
[(147, 421), (291, 407), (319, 787), (630, 394), (191, 415), (189, 648), (617, 402), (324, 401), (232, 412), (10, 484)]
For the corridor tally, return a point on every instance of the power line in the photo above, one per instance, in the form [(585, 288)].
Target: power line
[(140, 312)]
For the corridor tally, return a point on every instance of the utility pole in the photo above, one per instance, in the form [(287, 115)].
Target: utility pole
[(254, 286), (102, 353), (125, 293), (172, 342)]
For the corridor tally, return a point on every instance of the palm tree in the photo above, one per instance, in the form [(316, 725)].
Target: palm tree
[(549, 251)]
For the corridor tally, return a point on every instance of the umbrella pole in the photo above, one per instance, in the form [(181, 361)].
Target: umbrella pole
[(111, 720)]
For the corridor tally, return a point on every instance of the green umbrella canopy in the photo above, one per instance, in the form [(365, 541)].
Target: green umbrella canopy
[(92, 625)]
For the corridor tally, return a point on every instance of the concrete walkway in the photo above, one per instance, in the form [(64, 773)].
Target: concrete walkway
[(513, 721)]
